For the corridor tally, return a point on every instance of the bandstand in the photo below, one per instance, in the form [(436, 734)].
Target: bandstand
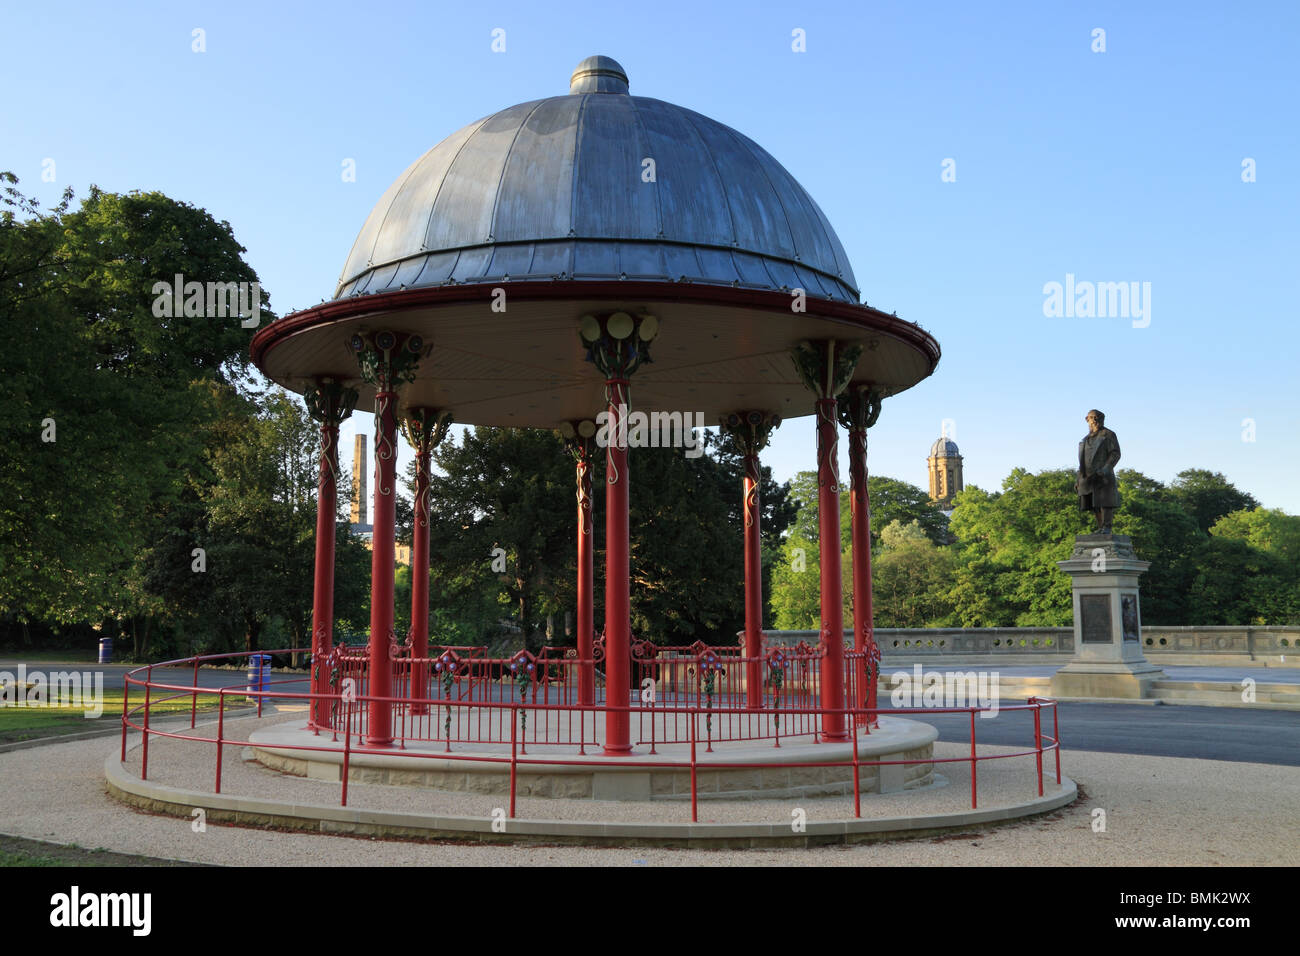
[(529, 271)]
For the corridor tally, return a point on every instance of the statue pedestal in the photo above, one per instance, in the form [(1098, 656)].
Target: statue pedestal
[(1108, 659)]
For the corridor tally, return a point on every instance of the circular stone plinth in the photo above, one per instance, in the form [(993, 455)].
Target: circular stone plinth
[(733, 770)]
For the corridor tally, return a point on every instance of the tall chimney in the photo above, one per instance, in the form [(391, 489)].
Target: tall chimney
[(360, 463)]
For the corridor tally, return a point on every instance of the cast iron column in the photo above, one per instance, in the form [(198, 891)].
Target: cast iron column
[(617, 344), (328, 402), (859, 408), (826, 367), (424, 429), (578, 438), (751, 432), (387, 360)]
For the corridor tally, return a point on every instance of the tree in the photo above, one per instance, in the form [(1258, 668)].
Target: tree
[(911, 578), (894, 500), (1235, 583), (110, 403), (1009, 545), (1271, 530), (1208, 496), (687, 547), (505, 495), (891, 500), (1165, 534)]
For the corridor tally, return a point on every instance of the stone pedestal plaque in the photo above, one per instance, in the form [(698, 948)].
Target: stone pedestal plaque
[(1108, 659)]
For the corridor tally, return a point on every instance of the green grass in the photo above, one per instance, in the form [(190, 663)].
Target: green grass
[(16, 852), (27, 723), (62, 656)]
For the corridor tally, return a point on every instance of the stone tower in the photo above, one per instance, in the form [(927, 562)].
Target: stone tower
[(360, 462), (944, 465)]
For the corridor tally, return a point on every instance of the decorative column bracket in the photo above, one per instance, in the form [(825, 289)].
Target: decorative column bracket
[(826, 367), (580, 441), (330, 402), (388, 359), (859, 406), (424, 429), (751, 431), (618, 343)]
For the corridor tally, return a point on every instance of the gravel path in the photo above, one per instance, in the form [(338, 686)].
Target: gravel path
[(1159, 811)]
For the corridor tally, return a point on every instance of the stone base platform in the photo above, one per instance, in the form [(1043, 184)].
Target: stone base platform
[(1098, 679), (733, 770)]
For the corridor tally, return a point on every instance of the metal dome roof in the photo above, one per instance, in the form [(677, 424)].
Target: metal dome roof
[(557, 188), (944, 448)]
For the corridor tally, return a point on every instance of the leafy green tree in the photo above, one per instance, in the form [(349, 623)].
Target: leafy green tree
[(100, 381), (1235, 583), (508, 489), (1208, 496), (891, 500), (795, 585), (1165, 534), (1271, 530), (1009, 545), (687, 547), (911, 578)]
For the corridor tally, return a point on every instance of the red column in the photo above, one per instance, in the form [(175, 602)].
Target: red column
[(322, 605), (379, 731), (424, 428), (753, 586), (329, 403), (420, 582), (581, 447), (832, 593), (618, 588), (750, 431), (859, 408), (862, 627), (386, 360), (617, 344), (826, 368)]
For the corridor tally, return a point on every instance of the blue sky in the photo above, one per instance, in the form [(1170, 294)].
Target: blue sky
[(1115, 166)]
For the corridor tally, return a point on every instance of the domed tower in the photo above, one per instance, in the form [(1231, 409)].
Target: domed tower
[(944, 465)]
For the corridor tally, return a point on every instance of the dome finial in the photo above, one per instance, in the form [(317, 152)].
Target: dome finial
[(598, 74)]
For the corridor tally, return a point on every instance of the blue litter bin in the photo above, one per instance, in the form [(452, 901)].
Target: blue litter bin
[(259, 672), (105, 650)]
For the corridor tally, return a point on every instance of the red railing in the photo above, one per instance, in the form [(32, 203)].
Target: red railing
[(511, 719)]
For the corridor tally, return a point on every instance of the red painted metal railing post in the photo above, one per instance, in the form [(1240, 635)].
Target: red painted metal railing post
[(1038, 744), (221, 730), (144, 758), (514, 722), (857, 789), (347, 750), (126, 708), (194, 698), (972, 760), (695, 817), (1056, 743)]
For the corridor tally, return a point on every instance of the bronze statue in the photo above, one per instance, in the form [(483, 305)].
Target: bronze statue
[(1097, 486)]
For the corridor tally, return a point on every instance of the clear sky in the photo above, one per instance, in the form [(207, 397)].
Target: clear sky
[(1117, 166)]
